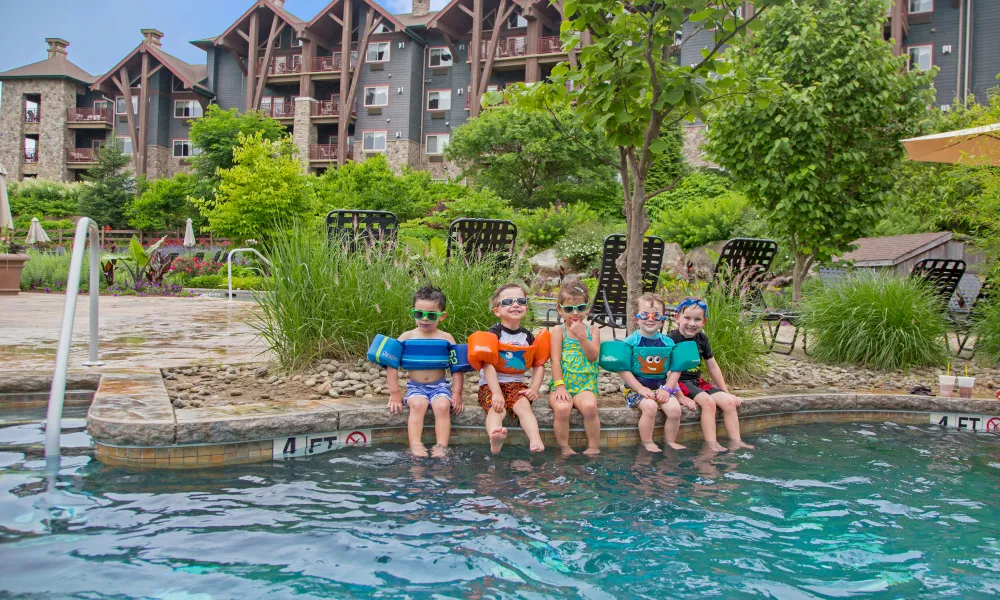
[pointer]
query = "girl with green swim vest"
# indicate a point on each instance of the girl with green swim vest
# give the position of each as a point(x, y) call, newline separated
point(575, 349)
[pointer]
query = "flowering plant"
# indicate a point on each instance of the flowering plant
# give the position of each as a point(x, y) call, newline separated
point(190, 266)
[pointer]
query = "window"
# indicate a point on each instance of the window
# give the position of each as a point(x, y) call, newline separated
point(921, 57)
point(437, 143)
point(439, 100)
point(187, 109)
point(296, 42)
point(920, 6)
point(515, 21)
point(378, 52)
point(374, 141)
point(32, 109)
point(102, 105)
point(183, 148)
point(120, 105)
point(440, 57)
point(125, 144)
point(678, 37)
point(377, 95)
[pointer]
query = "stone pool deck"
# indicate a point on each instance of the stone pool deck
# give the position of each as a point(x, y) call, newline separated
point(133, 422)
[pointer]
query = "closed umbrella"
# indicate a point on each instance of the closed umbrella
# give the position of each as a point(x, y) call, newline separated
point(189, 235)
point(6, 221)
point(36, 235)
point(976, 146)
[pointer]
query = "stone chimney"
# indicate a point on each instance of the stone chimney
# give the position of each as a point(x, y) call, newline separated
point(420, 8)
point(152, 36)
point(278, 3)
point(57, 46)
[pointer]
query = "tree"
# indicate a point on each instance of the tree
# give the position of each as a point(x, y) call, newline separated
point(110, 187)
point(628, 84)
point(526, 158)
point(164, 204)
point(820, 158)
point(372, 185)
point(217, 134)
point(264, 186)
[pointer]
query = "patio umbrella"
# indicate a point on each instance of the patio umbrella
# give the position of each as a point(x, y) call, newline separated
point(189, 235)
point(6, 221)
point(976, 146)
point(36, 235)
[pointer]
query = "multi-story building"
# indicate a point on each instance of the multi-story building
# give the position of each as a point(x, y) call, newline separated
point(415, 82)
point(418, 77)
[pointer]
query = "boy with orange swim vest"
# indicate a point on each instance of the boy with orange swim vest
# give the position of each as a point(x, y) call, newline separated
point(504, 354)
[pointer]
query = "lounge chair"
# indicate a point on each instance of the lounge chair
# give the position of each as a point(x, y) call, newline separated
point(610, 308)
point(361, 228)
point(963, 322)
point(477, 238)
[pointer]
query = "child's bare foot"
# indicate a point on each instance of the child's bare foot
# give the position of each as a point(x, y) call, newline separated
point(418, 450)
point(497, 436)
point(536, 446)
point(739, 444)
point(651, 446)
point(439, 451)
point(715, 447)
point(591, 451)
point(567, 451)
point(676, 446)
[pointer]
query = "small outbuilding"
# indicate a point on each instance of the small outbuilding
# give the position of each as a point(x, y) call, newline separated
point(898, 253)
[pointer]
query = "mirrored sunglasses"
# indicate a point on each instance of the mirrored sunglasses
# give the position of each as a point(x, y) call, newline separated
point(578, 308)
point(511, 301)
point(430, 315)
point(642, 316)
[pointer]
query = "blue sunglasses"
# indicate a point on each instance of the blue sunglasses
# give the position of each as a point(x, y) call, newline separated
point(693, 302)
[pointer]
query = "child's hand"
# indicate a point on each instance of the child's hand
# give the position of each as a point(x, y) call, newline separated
point(687, 402)
point(561, 395)
point(736, 399)
point(661, 396)
point(395, 402)
point(531, 394)
point(498, 403)
point(647, 393)
point(457, 405)
point(578, 329)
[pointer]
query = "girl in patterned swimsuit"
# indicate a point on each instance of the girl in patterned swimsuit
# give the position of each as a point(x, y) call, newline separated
point(575, 350)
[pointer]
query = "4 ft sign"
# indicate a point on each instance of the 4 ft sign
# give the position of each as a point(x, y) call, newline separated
point(967, 422)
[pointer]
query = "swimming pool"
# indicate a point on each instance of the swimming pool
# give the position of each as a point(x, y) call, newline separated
point(825, 511)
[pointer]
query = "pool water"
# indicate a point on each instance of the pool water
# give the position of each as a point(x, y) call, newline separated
point(818, 511)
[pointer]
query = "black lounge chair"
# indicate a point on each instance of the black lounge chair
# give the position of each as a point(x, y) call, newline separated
point(199, 255)
point(963, 322)
point(610, 307)
point(944, 276)
point(477, 238)
point(356, 229)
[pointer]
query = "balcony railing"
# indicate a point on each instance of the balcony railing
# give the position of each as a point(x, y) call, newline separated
point(329, 108)
point(30, 156)
point(331, 64)
point(91, 115)
point(81, 155)
point(282, 110)
point(282, 65)
point(518, 46)
point(327, 152)
point(549, 45)
point(32, 115)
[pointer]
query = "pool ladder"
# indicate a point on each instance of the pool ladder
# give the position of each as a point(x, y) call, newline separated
point(57, 393)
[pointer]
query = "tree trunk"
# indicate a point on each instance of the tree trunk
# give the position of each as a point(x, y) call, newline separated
point(799, 272)
point(634, 239)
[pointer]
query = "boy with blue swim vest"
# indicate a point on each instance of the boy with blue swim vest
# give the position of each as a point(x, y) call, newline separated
point(426, 353)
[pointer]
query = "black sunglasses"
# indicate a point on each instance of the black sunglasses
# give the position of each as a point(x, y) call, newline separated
point(511, 301)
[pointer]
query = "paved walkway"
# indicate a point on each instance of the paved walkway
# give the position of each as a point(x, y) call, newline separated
point(135, 332)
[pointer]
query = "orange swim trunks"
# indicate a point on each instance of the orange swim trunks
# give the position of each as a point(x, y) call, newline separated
point(512, 392)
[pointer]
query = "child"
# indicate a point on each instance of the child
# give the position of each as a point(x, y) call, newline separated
point(427, 387)
point(500, 392)
point(647, 393)
point(691, 316)
point(575, 350)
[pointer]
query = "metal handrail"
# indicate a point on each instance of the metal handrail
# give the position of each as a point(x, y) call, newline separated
point(229, 265)
point(57, 393)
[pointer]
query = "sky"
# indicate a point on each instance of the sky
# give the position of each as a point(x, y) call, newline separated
point(102, 32)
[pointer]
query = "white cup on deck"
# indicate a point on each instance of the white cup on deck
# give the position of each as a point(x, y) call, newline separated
point(947, 383)
point(965, 385)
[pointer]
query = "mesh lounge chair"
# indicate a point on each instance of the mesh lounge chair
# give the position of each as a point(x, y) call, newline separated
point(357, 229)
point(944, 276)
point(476, 238)
point(611, 299)
point(964, 321)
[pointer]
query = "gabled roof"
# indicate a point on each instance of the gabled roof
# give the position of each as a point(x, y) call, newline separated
point(296, 23)
point(398, 25)
point(409, 20)
point(205, 44)
point(190, 75)
point(892, 250)
point(56, 66)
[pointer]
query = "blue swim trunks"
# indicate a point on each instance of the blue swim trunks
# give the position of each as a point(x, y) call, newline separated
point(441, 387)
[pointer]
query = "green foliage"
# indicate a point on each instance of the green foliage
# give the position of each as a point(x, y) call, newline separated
point(211, 282)
point(543, 227)
point(23, 223)
point(986, 327)
point(704, 221)
point(372, 185)
point(324, 303)
point(43, 198)
point(264, 185)
point(217, 134)
point(52, 271)
point(880, 321)
point(735, 337)
point(533, 159)
point(109, 189)
point(481, 203)
point(165, 204)
point(666, 166)
point(698, 186)
point(582, 246)
point(819, 152)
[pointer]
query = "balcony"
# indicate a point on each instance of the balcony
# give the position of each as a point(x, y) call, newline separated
point(278, 110)
point(31, 156)
point(328, 111)
point(904, 7)
point(89, 118)
point(332, 64)
point(325, 153)
point(281, 65)
point(32, 115)
point(511, 47)
point(80, 157)
point(549, 45)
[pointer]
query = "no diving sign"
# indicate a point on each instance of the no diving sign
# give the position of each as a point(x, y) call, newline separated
point(317, 443)
point(967, 422)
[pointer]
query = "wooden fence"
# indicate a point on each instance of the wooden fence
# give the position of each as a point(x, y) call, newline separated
point(119, 237)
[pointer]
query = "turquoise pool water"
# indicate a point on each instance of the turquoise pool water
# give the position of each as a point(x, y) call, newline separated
point(824, 511)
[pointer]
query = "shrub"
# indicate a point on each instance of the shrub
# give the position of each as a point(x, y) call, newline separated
point(43, 198)
point(735, 336)
point(879, 321)
point(582, 246)
point(543, 227)
point(211, 282)
point(704, 221)
point(987, 329)
point(696, 187)
point(110, 187)
point(324, 303)
point(187, 267)
point(165, 204)
point(51, 271)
